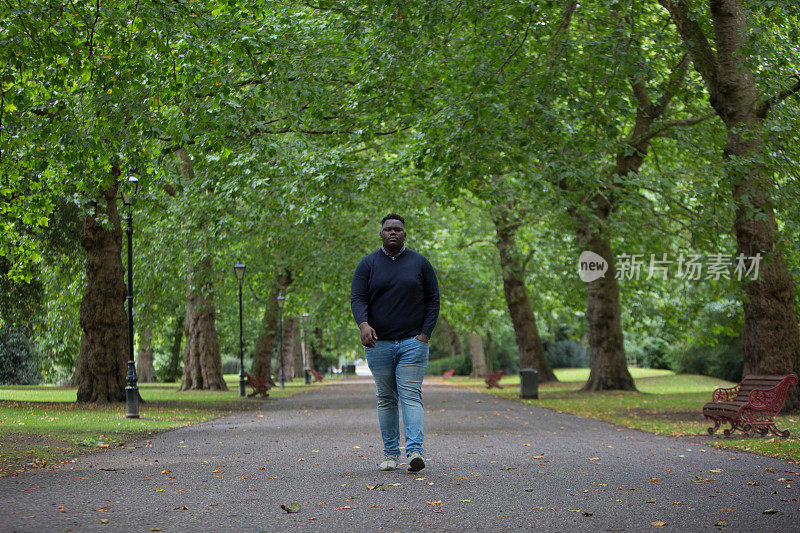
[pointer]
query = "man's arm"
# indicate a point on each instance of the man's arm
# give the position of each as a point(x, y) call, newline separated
point(359, 300)
point(431, 286)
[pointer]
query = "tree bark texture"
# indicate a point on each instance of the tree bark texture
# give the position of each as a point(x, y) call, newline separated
point(770, 332)
point(531, 354)
point(103, 358)
point(144, 359)
point(202, 362)
point(477, 354)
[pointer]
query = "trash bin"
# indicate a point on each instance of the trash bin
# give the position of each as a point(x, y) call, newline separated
point(528, 383)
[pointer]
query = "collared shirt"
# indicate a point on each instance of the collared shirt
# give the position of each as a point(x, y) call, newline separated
point(393, 257)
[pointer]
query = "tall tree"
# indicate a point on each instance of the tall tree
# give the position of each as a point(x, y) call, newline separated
point(770, 332)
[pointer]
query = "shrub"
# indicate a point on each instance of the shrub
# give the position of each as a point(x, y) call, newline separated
point(18, 359)
point(723, 360)
point(566, 353)
point(461, 363)
point(230, 364)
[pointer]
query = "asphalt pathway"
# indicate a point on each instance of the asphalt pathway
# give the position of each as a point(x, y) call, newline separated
point(492, 465)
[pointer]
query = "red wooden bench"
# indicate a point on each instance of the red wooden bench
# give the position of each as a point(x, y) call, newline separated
point(492, 380)
point(260, 385)
point(448, 373)
point(750, 406)
point(317, 375)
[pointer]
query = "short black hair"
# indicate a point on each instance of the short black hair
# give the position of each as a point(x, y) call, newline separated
point(393, 216)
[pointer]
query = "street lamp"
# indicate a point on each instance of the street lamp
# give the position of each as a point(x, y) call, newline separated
point(281, 299)
point(128, 195)
point(239, 269)
point(306, 354)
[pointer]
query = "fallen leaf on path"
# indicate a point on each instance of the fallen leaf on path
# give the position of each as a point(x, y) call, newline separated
point(373, 487)
point(293, 507)
point(217, 471)
point(769, 511)
point(178, 509)
point(435, 502)
point(754, 483)
point(716, 470)
point(658, 524)
point(104, 520)
point(166, 472)
point(594, 459)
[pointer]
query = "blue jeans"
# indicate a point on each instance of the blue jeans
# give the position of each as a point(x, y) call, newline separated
point(398, 368)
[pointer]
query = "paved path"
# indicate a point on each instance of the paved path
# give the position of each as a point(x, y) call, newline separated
point(494, 465)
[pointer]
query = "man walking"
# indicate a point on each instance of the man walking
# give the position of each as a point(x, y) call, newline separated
point(395, 301)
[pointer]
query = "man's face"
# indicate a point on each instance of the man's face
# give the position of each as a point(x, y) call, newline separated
point(393, 235)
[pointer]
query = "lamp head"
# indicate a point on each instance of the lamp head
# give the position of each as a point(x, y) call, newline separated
point(239, 269)
point(128, 192)
point(281, 299)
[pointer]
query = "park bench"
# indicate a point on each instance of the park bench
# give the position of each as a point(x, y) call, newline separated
point(317, 375)
point(492, 380)
point(448, 373)
point(750, 406)
point(260, 385)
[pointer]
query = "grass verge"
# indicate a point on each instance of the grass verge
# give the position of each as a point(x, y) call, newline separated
point(666, 404)
point(42, 425)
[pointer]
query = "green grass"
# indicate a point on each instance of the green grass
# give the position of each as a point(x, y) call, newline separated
point(41, 425)
point(665, 404)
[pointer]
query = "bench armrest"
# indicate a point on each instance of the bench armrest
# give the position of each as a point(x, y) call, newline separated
point(725, 395)
point(771, 399)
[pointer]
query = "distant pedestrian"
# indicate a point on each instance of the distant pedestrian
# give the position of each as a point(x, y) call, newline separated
point(395, 301)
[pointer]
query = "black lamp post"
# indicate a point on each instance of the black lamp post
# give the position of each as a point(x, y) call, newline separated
point(128, 196)
point(307, 351)
point(281, 378)
point(239, 269)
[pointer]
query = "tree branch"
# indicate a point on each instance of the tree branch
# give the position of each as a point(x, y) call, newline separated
point(668, 124)
point(765, 106)
point(703, 56)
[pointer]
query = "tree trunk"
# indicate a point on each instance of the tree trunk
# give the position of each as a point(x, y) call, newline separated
point(265, 343)
point(489, 353)
point(202, 362)
point(297, 353)
point(531, 354)
point(452, 337)
point(265, 346)
point(478, 356)
point(144, 359)
point(770, 333)
point(607, 362)
point(103, 359)
point(175, 355)
point(288, 347)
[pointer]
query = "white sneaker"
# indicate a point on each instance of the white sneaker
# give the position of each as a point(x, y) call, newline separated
point(415, 462)
point(389, 462)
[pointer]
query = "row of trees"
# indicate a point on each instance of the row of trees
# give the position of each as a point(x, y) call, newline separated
point(514, 135)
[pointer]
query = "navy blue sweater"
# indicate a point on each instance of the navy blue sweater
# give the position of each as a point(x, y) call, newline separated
point(399, 298)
